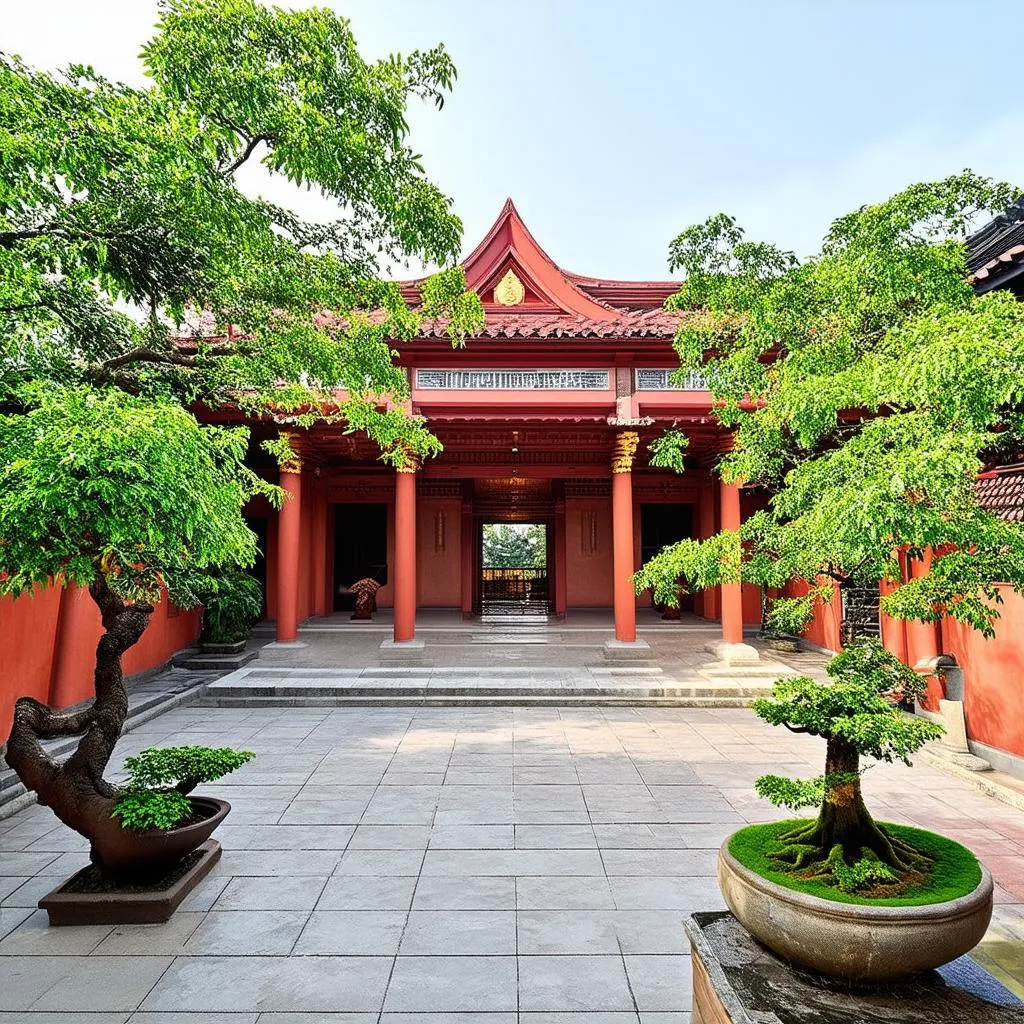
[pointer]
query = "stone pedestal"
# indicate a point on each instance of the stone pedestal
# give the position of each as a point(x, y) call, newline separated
point(733, 653)
point(953, 745)
point(737, 981)
point(403, 652)
point(627, 651)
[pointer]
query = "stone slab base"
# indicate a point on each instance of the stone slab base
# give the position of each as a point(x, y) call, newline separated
point(961, 758)
point(205, 661)
point(77, 908)
point(403, 652)
point(733, 654)
point(737, 981)
point(627, 650)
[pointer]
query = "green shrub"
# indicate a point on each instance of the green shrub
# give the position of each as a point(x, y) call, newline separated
point(159, 780)
point(231, 605)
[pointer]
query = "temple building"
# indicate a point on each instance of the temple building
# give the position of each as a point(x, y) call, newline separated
point(545, 418)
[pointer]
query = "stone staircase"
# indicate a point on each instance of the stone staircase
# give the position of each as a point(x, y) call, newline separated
point(521, 686)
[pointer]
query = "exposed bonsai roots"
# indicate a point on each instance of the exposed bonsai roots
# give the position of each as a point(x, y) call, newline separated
point(844, 839)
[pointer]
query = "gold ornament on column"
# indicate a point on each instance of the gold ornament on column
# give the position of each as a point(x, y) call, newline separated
point(411, 461)
point(626, 445)
point(293, 464)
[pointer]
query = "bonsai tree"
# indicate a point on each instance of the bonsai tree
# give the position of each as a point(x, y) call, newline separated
point(139, 283)
point(865, 388)
point(230, 607)
point(858, 715)
point(160, 779)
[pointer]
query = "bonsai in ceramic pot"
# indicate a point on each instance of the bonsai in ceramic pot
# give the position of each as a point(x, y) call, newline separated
point(231, 604)
point(841, 893)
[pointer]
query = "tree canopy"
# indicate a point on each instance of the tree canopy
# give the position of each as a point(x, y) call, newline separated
point(511, 545)
point(123, 231)
point(865, 387)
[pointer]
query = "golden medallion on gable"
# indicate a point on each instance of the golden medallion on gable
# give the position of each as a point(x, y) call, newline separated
point(509, 291)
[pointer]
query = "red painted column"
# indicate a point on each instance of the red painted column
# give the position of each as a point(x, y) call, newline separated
point(320, 556)
point(78, 630)
point(623, 566)
point(732, 593)
point(289, 521)
point(710, 597)
point(405, 554)
point(559, 555)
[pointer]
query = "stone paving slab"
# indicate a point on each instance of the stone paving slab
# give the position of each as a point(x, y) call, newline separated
point(456, 865)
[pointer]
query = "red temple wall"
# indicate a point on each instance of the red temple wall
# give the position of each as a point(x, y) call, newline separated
point(993, 670)
point(588, 552)
point(27, 667)
point(439, 552)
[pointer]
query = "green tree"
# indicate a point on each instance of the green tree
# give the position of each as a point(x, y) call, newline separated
point(139, 283)
point(865, 388)
point(508, 545)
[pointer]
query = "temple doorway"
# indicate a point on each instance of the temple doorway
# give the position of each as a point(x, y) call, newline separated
point(514, 569)
point(360, 549)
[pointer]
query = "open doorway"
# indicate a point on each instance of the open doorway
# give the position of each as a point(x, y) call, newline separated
point(360, 549)
point(514, 569)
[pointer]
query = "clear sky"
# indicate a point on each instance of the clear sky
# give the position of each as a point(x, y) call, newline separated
point(615, 125)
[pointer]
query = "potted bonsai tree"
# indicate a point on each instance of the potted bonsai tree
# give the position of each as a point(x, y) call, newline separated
point(865, 388)
point(141, 289)
point(231, 605)
point(840, 892)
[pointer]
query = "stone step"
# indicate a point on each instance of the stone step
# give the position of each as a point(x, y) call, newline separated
point(196, 660)
point(719, 700)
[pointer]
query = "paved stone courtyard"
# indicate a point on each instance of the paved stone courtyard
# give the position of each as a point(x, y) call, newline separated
point(477, 866)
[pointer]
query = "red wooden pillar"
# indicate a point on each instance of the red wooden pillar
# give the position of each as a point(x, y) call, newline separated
point(289, 522)
point(732, 593)
point(467, 555)
point(78, 629)
point(710, 602)
point(405, 553)
point(559, 555)
point(320, 554)
point(623, 566)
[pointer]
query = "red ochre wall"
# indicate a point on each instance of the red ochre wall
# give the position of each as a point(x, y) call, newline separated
point(588, 572)
point(823, 629)
point(993, 673)
point(439, 552)
point(31, 627)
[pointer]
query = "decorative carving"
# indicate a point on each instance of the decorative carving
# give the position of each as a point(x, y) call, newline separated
point(509, 291)
point(587, 489)
point(513, 380)
point(626, 445)
point(661, 380)
point(588, 533)
point(440, 533)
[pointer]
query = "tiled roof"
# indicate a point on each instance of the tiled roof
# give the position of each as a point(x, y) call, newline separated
point(997, 247)
point(648, 323)
point(1001, 492)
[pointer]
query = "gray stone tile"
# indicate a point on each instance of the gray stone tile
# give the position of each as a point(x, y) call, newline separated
point(651, 931)
point(114, 1017)
point(35, 937)
point(449, 1018)
point(370, 862)
point(555, 837)
point(665, 1018)
point(465, 892)
point(271, 983)
point(271, 892)
point(390, 837)
point(318, 1018)
point(665, 893)
point(569, 1017)
point(278, 862)
point(566, 932)
point(168, 938)
point(187, 1018)
point(661, 982)
point(94, 983)
point(450, 984)
point(562, 892)
point(23, 864)
point(472, 837)
point(11, 883)
point(351, 933)
point(460, 933)
point(294, 837)
point(317, 811)
point(246, 933)
point(11, 917)
point(206, 893)
point(367, 892)
point(659, 862)
point(512, 862)
point(573, 983)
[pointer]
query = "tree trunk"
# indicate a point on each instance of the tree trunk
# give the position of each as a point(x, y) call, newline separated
point(844, 821)
point(75, 790)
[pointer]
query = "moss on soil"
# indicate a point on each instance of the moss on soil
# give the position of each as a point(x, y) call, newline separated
point(955, 873)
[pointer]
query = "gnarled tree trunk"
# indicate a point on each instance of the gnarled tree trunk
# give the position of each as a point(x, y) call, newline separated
point(75, 789)
point(844, 821)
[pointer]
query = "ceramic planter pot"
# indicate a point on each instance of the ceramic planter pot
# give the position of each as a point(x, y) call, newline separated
point(124, 851)
point(852, 941)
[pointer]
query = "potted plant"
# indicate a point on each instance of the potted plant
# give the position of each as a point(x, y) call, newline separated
point(841, 893)
point(231, 604)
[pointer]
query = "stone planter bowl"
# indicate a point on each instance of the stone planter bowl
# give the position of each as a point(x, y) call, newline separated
point(852, 941)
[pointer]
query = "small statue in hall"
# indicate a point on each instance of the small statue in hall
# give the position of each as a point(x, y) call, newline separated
point(365, 591)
